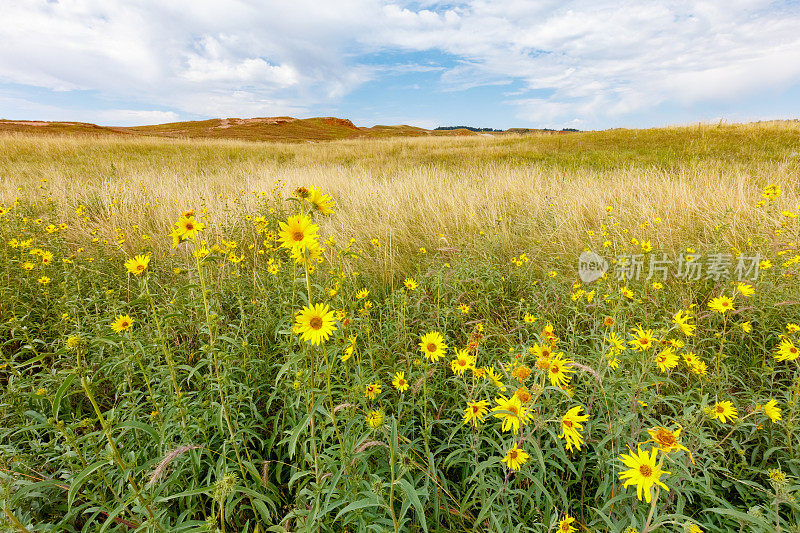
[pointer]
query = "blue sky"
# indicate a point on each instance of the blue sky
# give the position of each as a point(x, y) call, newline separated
point(490, 63)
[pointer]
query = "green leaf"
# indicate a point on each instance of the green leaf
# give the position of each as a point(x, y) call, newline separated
point(62, 390)
point(412, 495)
point(369, 501)
point(80, 478)
point(135, 424)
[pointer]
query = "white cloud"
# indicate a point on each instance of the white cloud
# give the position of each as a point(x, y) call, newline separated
point(14, 107)
point(609, 59)
point(588, 61)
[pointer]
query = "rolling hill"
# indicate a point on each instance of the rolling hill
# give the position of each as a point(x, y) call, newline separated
point(281, 129)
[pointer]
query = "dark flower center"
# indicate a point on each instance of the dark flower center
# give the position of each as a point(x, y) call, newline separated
point(665, 438)
point(315, 322)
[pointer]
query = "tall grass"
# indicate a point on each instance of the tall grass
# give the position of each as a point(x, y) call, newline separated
point(429, 191)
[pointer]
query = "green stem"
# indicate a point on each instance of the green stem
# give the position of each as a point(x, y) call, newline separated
point(117, 456)
point(167, 355)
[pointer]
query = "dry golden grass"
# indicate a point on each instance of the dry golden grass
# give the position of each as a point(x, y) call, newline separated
point(428, 191)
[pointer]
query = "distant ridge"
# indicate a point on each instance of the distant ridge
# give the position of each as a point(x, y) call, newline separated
point(278, 129)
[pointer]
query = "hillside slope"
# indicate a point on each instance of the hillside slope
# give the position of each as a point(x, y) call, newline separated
point(284, 129)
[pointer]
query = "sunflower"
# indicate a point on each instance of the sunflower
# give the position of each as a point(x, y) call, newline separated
point(642, 472)
point(410, 284)
point(721, 304)
point(565, 524)
point(617, 343)
point(201, 253)
point(375, 418)
point(432, 345)
point(400, 382)
point(772, 410)
point(529, 318)
point(559, 371)
point(475, 412)
point(490, 374)
point(138, 264)
point(73, 342)
point(523, 394)
point(681, 318)
point(571, 427)
point(363, 293)
point(787, 351)
point(297, 232)
point(463, 361)
point(350, 349)
point(644, 339)
point(315, 323)
point(307, 255)
point(549, 333)
point(188, 228)
point(667, 359)
point(667, 440)
point(515, 458)
point(745, 289)
point(627, 293)
point(699, 367)
point(724, 411)
point(512, 412)
point(542, 354)
point(464, 308)
point(522, 372)
point(322, 203)
point(122, 323)
point(372, 390)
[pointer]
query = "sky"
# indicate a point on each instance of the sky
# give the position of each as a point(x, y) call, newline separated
point(483, 63)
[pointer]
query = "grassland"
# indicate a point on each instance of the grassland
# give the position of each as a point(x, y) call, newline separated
point(412, 190)
point(187, 394)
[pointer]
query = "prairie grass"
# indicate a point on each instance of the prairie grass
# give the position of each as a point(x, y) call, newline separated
point(429, 191)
